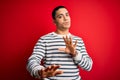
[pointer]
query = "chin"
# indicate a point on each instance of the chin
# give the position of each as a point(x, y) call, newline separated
point(67, 27)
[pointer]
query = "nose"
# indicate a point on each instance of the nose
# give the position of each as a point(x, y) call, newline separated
point(65, 18)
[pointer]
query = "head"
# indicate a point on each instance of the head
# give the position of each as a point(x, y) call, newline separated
point(61, 18)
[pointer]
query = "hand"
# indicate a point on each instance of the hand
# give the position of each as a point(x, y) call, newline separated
point(70, 47)
point(50, 71)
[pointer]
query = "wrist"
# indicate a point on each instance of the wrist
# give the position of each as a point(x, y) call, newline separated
point(39, 72)
point(75, 53)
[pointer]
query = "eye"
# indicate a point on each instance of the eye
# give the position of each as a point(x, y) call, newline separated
point(59, 16)
point(67, 14)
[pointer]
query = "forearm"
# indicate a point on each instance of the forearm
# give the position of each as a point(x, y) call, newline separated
point(34, 60)
point(33, 66)
point(84, 61)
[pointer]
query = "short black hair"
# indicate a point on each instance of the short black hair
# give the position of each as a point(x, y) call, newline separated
point(55, 9)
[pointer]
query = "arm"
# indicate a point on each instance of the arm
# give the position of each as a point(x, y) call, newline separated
point(34, 60)
point(82, 58)
point(79, 55)
point(34, 67)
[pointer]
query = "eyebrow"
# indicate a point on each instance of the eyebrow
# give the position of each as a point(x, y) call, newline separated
point(62, 14)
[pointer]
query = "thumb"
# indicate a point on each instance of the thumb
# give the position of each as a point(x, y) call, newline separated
point(61, 49)
point(58, 72)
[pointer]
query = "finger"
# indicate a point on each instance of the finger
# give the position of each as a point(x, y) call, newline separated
point(71, 41)
point(61, 49)
point(75, 43)
point(52, 70)
point(52, 67)
point(42, 73)
point(48, 68)
point(58, 72)
point(65, 40)
point(56, 67)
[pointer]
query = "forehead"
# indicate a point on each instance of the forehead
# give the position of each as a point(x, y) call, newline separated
point(61, 11)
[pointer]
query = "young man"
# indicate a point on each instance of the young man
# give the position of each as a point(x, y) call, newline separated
point(60, 51)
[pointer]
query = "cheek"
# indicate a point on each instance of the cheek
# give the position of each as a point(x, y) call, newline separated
point(70, 18)
point(60, 22)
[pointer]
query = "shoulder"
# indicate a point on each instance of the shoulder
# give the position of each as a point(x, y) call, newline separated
point(46, 36)
point(79, 39)
point(76, 37)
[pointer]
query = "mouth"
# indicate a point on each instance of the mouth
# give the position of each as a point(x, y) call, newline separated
point(66, 23)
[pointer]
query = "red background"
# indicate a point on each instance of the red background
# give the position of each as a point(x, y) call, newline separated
point(23, 22)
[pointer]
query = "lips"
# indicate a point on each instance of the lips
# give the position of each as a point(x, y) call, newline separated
point(66, 23)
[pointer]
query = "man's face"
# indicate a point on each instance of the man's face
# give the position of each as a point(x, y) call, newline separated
point(62, 19)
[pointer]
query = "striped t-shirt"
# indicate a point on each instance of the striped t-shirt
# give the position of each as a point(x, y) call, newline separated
point(46, 49)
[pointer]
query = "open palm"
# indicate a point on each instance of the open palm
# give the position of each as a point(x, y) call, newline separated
point(50, 71)
point(70, 47)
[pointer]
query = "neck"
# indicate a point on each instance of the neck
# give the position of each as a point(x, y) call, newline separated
point(62, 32)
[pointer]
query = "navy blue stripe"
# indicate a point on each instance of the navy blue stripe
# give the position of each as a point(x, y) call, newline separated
point(59, 60)
point(51, 45)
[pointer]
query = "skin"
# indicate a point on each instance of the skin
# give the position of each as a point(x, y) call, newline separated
point(62, 22)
